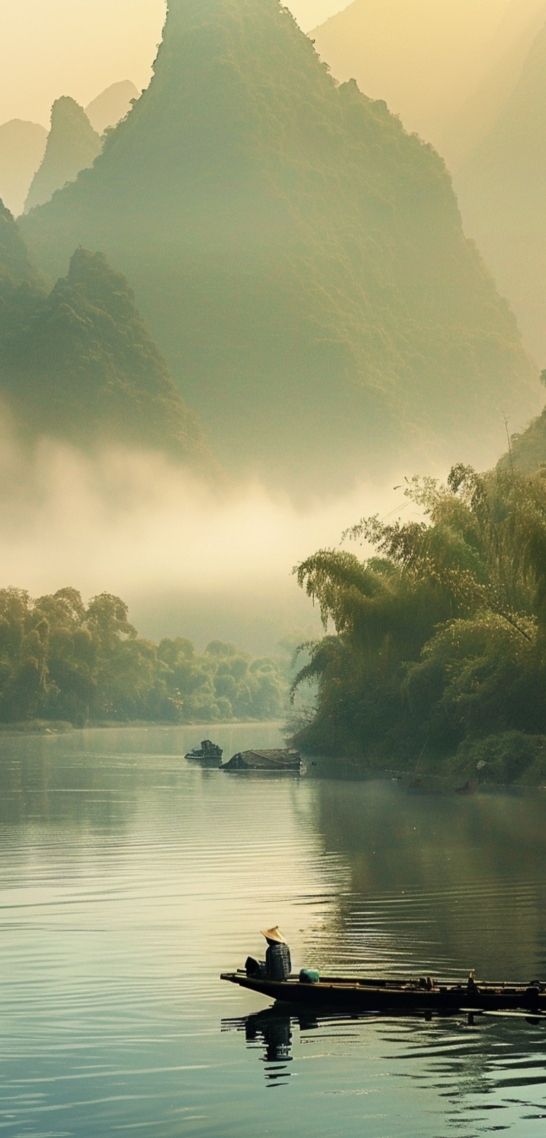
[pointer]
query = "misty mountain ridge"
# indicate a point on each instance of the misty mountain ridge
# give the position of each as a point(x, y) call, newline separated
point(78, 363)
point(506, 58)
point(502, 188)
point(424, 57)
point(22, 147)
point(111, 105)
point(23, 144)
point(72, 145)
point(298, 256)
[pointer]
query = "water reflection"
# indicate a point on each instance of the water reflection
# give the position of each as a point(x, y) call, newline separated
point(441, 884)
point(129, 879)
point(271, 1030)
point(488, 1076)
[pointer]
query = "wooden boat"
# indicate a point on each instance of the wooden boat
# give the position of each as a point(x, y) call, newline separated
point(409, 996)
point(276, 760)
point(207, 750)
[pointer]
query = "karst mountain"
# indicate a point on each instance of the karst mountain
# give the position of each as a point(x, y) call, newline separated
point(111, 105)
point(423, 57)
point(78, 364)
point(299, 258)
point(502, 190)
point(502, 66)
point(72, 145)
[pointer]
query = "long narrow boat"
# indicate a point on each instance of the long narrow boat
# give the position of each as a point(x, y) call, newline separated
point(354, 995)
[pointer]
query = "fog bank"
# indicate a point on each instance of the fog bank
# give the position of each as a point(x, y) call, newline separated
point(187, 560)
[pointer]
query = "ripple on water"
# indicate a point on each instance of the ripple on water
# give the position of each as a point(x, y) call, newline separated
point(129, 879)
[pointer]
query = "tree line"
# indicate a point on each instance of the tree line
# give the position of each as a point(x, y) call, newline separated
point(63, 660)
point(439, 651)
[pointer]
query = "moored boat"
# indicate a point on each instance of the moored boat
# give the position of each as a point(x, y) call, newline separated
point(272, 760)
point(207, 750)
point(413, 995)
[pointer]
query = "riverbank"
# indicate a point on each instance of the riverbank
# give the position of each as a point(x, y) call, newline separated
point(511, 758)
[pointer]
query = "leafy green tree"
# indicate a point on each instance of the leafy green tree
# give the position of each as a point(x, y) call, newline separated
point(441, 639)
point(61, 659)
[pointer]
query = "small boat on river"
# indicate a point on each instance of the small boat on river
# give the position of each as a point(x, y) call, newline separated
point(207, 750)
point(275, 760)
point(422, 995)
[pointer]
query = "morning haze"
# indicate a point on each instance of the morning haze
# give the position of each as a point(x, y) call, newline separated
point(272, 491)
point(284, 304)
point(77, 48)
point(317, 271)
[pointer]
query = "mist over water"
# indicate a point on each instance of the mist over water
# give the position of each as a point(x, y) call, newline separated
point(187, 558)
point(272, 321)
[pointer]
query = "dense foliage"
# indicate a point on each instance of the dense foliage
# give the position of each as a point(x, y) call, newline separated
point(62, 660)
point(440, 645)
point(78, 363)
point(299, 256)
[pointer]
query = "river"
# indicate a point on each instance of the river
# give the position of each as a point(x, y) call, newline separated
point(130, 878)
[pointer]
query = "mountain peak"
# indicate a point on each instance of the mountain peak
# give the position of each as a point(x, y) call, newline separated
point(298, 256)
point(72, 146)
point(111, 105)
point(78, 363)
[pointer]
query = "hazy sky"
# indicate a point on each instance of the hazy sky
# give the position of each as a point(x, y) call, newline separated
point(50, 48)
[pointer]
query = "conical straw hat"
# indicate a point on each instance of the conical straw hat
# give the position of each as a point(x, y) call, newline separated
point(273, 934)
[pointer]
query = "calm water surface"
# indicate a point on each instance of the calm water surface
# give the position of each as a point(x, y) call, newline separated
point(129, 878)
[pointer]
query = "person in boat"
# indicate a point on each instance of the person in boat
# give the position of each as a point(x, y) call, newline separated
point(277, 964)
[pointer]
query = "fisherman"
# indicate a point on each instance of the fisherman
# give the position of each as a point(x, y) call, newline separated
point(278, 965)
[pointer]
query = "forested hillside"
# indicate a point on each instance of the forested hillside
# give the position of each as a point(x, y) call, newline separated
point(439, 656)
point(72, 145)
point(78, 363)
point(63, 660)
point(299, 257)
point(502, 188)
